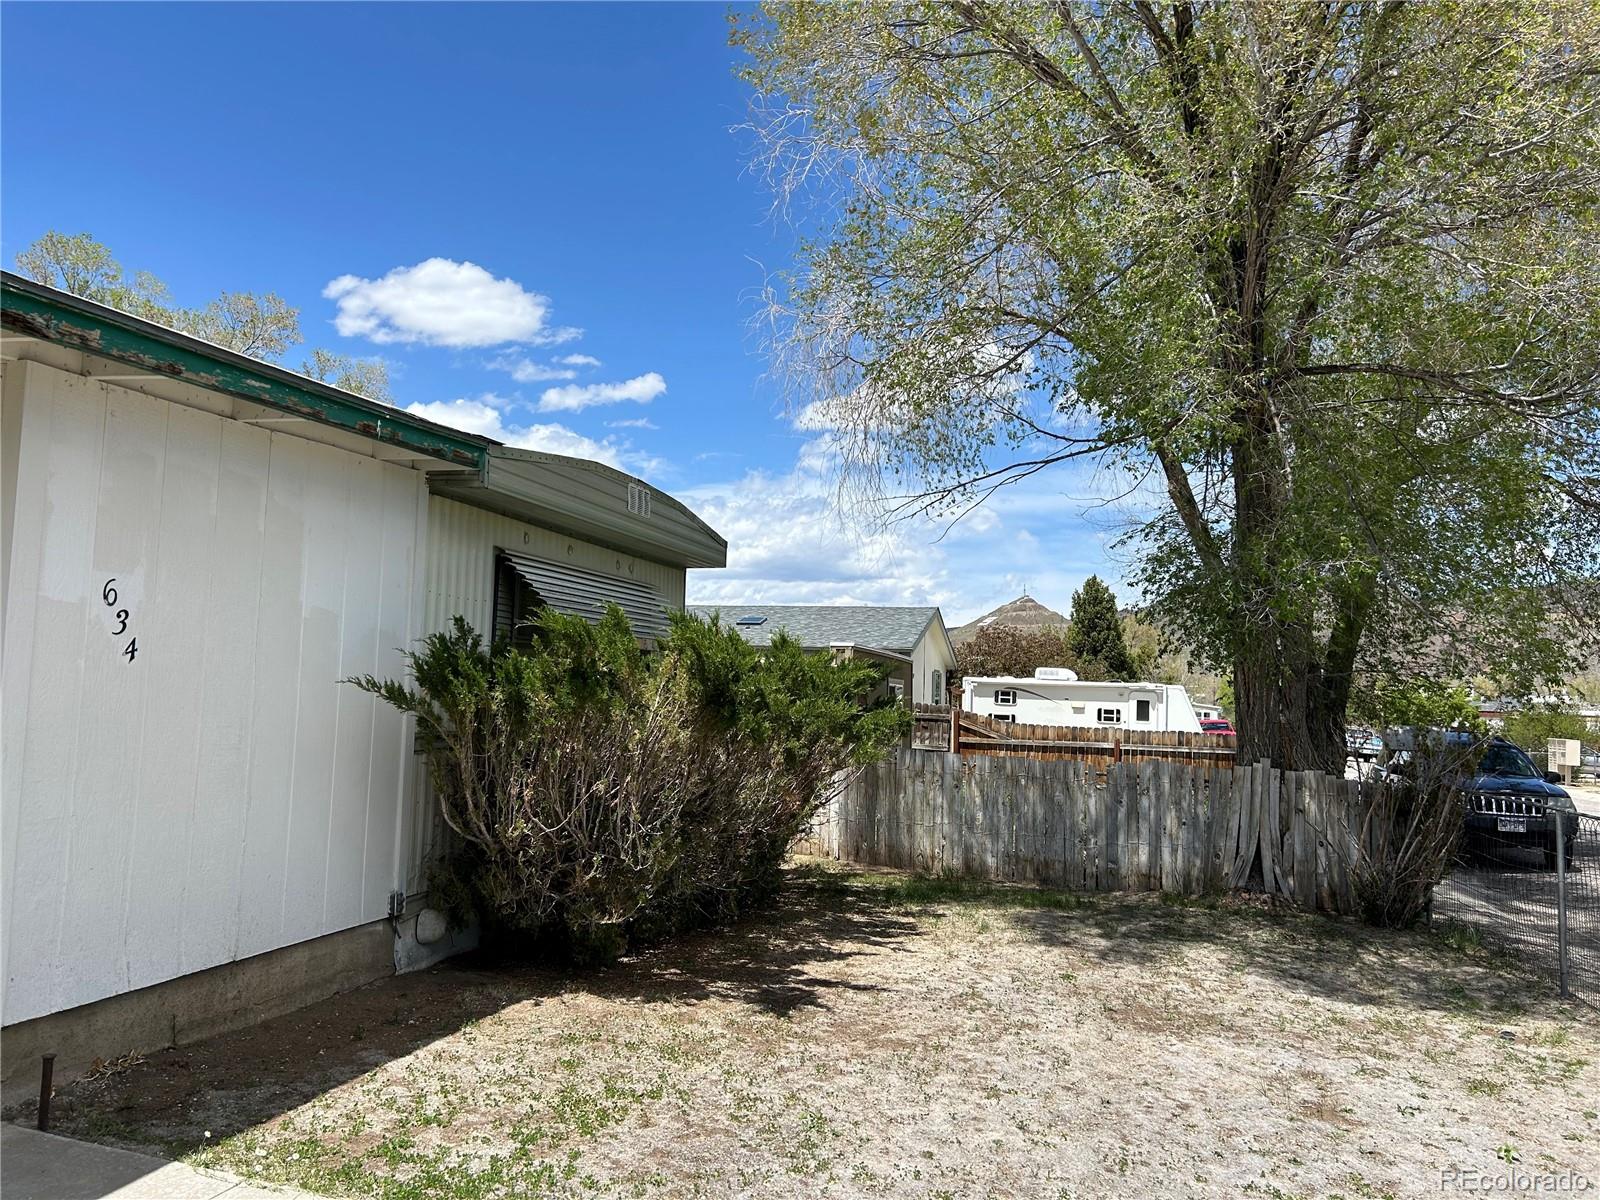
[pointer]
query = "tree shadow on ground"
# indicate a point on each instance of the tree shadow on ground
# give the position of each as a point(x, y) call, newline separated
point(1308, 953)
point(777, 961)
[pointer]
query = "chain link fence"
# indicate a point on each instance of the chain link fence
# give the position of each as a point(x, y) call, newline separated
point(1528, 877)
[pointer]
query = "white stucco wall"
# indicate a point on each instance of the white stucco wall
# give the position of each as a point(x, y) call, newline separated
point(220, 793)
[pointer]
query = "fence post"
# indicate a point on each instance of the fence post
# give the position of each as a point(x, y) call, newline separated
point(1561, 899)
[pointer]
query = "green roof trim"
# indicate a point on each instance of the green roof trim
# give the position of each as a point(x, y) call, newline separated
point(44, 312)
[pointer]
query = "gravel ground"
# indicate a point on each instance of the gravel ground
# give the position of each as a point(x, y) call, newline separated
point(882, 1035)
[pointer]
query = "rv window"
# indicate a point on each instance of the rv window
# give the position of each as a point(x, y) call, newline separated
point(1010, 718)
point(1005, 695)
point(1141, 710)
point(1109, 716)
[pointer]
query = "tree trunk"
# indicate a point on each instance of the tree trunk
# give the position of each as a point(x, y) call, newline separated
point(1285, 709)
point(1286, 717)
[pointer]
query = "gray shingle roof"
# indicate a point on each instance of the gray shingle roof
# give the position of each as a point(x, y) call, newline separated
point(818, 625)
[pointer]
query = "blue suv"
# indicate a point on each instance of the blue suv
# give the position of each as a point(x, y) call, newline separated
point(1509, 800)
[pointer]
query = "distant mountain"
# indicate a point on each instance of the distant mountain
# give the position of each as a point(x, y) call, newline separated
point(1022, 613)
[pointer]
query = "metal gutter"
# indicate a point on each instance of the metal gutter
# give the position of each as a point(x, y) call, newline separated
point(36, 310)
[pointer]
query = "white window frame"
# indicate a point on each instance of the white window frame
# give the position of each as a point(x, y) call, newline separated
point(1006, 696)
point(1115, 718)
point(1008, 718)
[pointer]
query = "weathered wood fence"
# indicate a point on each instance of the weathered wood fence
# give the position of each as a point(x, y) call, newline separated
point(937, 727)
point(1148, 825)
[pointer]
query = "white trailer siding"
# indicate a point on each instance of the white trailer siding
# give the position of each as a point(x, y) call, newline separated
point(460, 562)
point(220, 793)
point(1076, 702)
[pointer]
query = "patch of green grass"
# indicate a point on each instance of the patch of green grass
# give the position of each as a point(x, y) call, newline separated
point(98, 1127)
point(1482, 1085)
point(1359, 1187)
point(1271, 1190)
point(1460, 937)
point(406, 1172)
point(911, 891)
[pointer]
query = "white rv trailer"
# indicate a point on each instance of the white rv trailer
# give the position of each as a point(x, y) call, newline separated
point(1056, 696)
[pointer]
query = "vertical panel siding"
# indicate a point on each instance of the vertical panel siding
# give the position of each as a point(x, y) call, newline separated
point(227, 719)
point(461, 546)
point(47, 619)
point(222, 794)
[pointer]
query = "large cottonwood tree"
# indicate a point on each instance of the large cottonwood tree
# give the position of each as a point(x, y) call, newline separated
point(1326, 276)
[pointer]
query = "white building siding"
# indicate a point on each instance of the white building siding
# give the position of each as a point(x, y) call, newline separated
point(930, 655)
point(921, 666)
point(222, 793)
point(460, 573)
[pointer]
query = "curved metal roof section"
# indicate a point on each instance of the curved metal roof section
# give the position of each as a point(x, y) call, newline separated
point(589, 499)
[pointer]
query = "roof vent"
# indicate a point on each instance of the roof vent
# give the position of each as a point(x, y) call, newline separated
point(751, 620)
point(638, 500)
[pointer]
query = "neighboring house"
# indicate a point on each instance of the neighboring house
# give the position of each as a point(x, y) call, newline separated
point(1495, 711)
point(915, 635)
point(202, 825)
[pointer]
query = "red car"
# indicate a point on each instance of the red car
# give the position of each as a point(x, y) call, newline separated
point(1217, 725)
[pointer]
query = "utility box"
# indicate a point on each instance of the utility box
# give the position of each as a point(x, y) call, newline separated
point(1564, 755)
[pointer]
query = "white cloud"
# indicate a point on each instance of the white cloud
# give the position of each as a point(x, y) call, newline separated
point(440, 302)
point(579, 360)
point(480, 416)
point(486, 416)
point(576, 397)
point(633, 423)
point(793, 539)
point(525, 370)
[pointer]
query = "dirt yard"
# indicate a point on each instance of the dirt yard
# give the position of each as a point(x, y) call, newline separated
point(880, 1035)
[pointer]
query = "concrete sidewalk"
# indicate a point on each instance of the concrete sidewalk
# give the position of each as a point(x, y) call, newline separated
point(42, 1166)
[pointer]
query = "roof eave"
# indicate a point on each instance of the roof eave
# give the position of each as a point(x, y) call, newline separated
point(37, 310)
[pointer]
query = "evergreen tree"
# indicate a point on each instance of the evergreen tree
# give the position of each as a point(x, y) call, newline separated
point(1095, 637)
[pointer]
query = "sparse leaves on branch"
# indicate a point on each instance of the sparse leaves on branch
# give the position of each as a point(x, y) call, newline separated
point(1317, 285)
point(367, 377)
point(261, 325)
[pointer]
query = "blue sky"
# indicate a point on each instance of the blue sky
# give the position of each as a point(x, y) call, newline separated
point(538, 215)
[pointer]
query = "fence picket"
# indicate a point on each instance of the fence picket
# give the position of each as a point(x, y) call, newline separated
point(1169, 826)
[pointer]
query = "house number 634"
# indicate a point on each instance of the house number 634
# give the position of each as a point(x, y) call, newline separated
point(109, 595)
